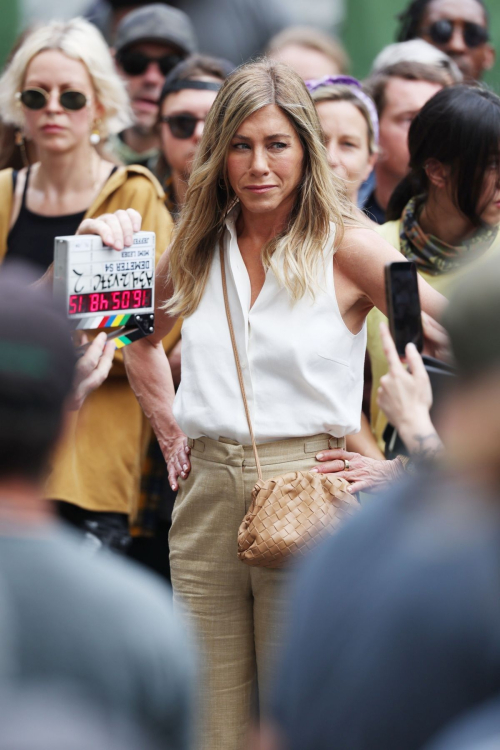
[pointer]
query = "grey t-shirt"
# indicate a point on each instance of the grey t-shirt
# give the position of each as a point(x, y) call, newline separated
point(100, 624)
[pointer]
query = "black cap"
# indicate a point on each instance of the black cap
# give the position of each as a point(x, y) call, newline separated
point(158, 23)
point(183, 75)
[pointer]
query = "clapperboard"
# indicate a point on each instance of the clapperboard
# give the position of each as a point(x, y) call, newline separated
point(104, 288)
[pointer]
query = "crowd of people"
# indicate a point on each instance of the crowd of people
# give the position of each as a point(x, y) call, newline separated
point(279, 188)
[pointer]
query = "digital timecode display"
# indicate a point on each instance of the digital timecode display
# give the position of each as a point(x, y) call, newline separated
point(128, 299)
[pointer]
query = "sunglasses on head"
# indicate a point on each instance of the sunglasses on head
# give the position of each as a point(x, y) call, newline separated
point(136, 63)
point(182, 126)
point(38, 99)
point(474, 35)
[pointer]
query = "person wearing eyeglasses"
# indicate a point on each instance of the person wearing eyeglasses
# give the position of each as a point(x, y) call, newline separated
point(149, 43)
point(457, 27)
point(188, 93)
point(63, 93)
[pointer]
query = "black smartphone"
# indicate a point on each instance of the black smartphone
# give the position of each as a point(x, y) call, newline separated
point(403, 305)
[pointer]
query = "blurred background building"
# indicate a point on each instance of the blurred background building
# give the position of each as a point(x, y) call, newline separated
point(363, 26)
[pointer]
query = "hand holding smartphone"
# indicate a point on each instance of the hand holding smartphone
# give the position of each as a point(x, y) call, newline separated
point(403, 305)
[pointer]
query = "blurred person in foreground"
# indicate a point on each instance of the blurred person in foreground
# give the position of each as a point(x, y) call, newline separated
point(445, 217)
point(96, 624)
point(312, 53)
point(477, 729)
point(457, 27)
point(61, 89)
point(50, 715)
point(399, 92)
point(149, 42)
point(349, 122)
point(395, 626)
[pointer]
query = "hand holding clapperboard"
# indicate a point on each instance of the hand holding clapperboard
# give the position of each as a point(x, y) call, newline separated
point(105, 288)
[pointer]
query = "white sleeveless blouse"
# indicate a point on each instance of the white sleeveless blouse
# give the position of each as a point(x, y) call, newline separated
point(303, 368)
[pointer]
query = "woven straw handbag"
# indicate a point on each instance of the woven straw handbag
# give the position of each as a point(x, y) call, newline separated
point(289, 514)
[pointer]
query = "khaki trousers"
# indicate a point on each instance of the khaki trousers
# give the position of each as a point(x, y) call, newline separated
point(238, 613)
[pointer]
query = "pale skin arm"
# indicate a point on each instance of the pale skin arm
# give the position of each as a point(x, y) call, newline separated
point(148, 368)
point(405, 396)
point(91, 370)
point(360, 285)
point(150, 376)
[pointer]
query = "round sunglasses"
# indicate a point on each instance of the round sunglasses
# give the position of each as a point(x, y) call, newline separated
point(35, 98)
point(182, 126)
point(136, 63)
point(474, 35)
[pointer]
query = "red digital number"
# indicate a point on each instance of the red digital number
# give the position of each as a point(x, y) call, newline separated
point(94, 302)
point(103, 303)
point(126, 300)
point(73, 308)
point(116, 300)
point(137, 295)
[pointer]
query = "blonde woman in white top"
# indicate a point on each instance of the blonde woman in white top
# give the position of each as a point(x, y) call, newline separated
point(302, 276)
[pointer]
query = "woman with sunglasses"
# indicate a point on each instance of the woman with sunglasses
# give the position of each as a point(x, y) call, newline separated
point(188, 93)
point(61, 90)
point(457, 27)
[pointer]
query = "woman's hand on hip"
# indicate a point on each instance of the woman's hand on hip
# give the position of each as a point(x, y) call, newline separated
point(176, 453)
point(116, 230)
point(363, 473)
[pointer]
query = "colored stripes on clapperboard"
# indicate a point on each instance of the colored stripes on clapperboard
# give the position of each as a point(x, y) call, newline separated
point(107, 321)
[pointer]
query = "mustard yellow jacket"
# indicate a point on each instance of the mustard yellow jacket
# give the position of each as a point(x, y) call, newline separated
point(98, 463)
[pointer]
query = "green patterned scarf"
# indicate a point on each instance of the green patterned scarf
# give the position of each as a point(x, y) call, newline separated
point(431, 255)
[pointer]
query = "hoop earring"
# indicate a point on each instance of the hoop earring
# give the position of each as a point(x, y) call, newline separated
point(20, 142)
point(95, 135)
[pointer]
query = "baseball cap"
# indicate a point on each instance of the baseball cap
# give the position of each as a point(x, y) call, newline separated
point(36, 352)
point(156, 23)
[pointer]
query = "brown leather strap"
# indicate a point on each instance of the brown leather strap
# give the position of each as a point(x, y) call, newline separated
point(237, 357)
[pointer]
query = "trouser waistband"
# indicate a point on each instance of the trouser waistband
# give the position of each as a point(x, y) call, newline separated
point(225, 450)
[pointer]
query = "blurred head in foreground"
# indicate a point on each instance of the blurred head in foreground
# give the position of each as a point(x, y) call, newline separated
point(36, 373)
point(470, 426)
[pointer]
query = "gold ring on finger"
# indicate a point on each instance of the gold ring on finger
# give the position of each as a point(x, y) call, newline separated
point(347, 465)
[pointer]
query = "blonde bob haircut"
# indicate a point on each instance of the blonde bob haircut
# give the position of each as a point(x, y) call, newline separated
point(79, 40)
point(294, 255)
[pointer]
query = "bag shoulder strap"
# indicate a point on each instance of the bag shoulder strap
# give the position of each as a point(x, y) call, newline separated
point(237, 358)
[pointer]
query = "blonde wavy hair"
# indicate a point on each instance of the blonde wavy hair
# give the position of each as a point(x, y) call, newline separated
point(295, 254)
point(79, 40)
